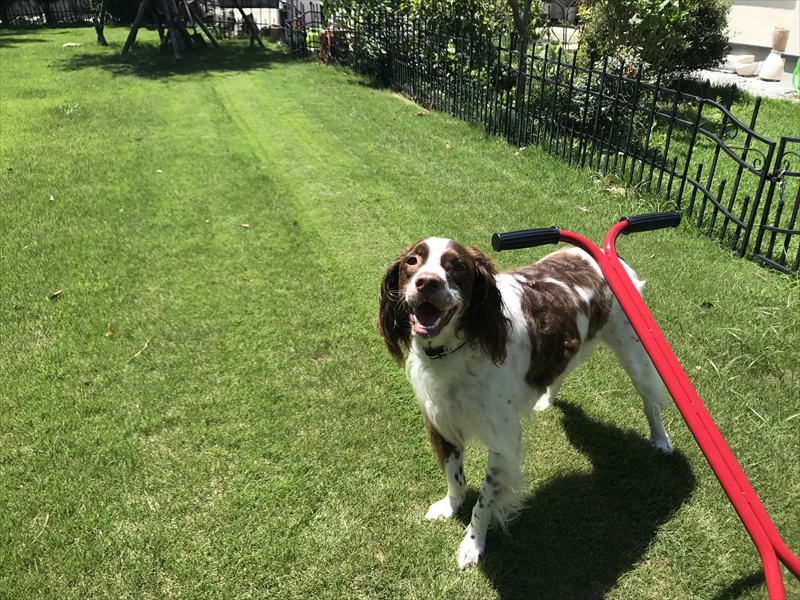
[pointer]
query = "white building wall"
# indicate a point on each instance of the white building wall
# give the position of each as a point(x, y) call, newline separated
point(751, 23)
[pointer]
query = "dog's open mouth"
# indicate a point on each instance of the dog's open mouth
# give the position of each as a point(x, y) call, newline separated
point(427, 320)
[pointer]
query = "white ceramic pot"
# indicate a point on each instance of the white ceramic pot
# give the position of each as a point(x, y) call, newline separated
point(773, 67)
point(731, 60)
point(746, 69)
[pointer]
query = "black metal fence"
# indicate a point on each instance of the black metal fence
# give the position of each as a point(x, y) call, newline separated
point(223, 16)
point(47, 12)
point(671, 140)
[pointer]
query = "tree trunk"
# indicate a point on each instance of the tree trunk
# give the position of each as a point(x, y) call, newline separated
point(99, 24)
point(4, 5)
point(521, 21)
point(522, 71)
point(49, 17)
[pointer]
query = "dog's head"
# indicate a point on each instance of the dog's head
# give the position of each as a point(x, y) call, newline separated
point(436, 288)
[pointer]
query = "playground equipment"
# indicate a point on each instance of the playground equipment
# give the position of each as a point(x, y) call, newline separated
point(173, 16)
point(770, 546)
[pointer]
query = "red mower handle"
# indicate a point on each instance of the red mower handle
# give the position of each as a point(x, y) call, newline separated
point(771, 548)
point(529, 238)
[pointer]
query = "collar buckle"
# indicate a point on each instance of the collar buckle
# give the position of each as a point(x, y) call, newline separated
point(440, 351)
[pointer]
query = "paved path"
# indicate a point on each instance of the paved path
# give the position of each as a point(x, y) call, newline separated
point(754, 85)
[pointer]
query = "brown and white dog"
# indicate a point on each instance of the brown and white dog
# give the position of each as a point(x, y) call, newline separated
point(482, 348)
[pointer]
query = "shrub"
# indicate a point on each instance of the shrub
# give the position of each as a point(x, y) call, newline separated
point(487, 16)
point(676, 35)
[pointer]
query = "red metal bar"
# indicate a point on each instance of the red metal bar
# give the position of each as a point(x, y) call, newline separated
point(745, 501)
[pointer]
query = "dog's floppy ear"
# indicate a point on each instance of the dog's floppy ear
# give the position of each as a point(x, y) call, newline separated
point(394, 324)
point(484, 321)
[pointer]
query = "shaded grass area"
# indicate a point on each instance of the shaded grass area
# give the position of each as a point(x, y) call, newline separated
point(242, 432)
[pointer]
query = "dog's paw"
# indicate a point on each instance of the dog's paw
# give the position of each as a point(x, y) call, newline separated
point(543, 403)
point(662, 444)
point(440, 510)
point(469, 552)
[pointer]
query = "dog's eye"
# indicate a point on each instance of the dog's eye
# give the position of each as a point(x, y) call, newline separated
point(459, 266)
point(411, 260)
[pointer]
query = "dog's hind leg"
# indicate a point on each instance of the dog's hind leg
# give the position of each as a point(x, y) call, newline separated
point(497, 501)
point(622, 339)
point(546, 400)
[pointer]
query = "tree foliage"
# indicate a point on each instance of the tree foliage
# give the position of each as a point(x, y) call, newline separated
point(490, 16)
point(676, 35)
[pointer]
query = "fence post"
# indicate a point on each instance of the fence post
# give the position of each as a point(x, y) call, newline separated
point(762, 180)
point(542, 80)
point(776, 179)
point(522, 64)
point(584, 143)
point(673, 115)
point(570, 123)
point(695, 127)
point(614, 121)
point(528, 103)
point(509, 102)
point(553, 116)
point(634, 103)
point(598, 109)
point(646, 148)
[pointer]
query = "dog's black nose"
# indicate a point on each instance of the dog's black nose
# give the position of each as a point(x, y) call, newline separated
point(428, 282)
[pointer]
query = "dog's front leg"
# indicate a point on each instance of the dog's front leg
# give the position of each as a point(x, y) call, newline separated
point(472, 546)
point(451, 459)
point(456, 482)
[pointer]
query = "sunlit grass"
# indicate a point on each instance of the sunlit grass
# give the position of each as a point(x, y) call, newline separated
point(205, 410)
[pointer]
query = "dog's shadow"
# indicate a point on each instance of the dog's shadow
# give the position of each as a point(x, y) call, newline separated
point(579, 533)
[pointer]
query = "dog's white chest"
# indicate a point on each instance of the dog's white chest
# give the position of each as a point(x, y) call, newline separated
point(462, 395)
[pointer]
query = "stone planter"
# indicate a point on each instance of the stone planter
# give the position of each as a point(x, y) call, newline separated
point(780, 38)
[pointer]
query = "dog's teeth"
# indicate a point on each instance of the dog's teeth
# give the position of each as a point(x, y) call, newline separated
point(439, 320)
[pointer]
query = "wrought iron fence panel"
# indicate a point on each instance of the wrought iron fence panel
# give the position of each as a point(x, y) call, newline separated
point(739, 170)
point(605, 116)
point(778, 240)
point(47, 12)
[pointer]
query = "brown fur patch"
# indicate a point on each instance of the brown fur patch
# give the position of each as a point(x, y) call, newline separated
point(442, 449)
point(484, 321)
point(393, 321)
point(551, 312)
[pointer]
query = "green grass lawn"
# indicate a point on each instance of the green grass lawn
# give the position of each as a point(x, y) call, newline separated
point(205, 410)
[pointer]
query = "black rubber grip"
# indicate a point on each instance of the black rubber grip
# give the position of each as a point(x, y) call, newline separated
point(652, 221)
point(527, 238)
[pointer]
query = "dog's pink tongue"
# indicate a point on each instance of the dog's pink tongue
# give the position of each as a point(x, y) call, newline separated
point(427, 314)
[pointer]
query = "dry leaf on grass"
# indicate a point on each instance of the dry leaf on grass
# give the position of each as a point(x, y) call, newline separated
point(55, 295)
